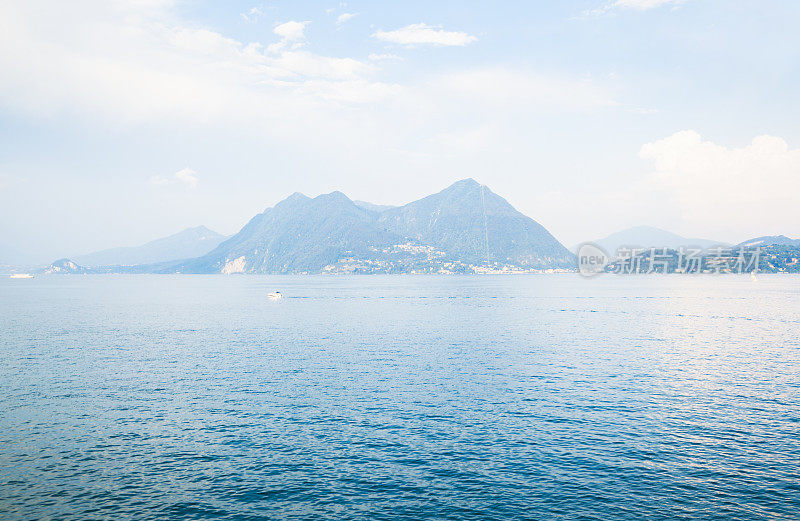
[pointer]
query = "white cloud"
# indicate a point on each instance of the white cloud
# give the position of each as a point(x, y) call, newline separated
point(643, 111)
point(696, 188)
point(643, 5)
point(205, 42)
point(153, 67)
point(157, 69)
point(344, 17)
point(315, 66)
point(185, 176)
point(424, 34)
point(291, 31)
point(164, 75)
point(509, 91)
point(252, 14)
point(352, 91)
point(278, 63)
point(159, 180)
point(381, 57)
point(292, 36)
point(636, 5)
point(752, 189)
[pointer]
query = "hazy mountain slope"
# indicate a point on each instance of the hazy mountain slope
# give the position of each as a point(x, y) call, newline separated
point(445, 232)
point(650, 237)
point(65, 266)
point(299, 234)
point(771, 240)
point(374, 207)
point(192, 242)
point(471, 223)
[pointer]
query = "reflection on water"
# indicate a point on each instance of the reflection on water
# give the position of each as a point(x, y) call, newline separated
point(400, 397)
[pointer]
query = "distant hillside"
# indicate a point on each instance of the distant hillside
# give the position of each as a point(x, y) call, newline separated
point(192, 242)
point(299, 234)
point(67, 267)
point(464, 228)
point(771, 240)
point(374, 207)
point(469, 222)
point(651, 237)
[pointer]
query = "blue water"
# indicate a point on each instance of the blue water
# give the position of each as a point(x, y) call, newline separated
point(400, 397)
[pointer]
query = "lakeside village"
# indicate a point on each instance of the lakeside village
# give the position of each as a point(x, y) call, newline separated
point(414, 258)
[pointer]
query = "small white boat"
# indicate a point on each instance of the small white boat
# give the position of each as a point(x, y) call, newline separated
point(21, 276)
point(275, 295)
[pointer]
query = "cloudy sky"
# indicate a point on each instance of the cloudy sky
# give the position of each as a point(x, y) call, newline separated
point(123, 121)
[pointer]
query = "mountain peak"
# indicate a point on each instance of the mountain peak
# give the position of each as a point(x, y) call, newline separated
point(468, 221)
point(295, 199)
point(65, 266)
point(336, 196)
point(466, 183)
point(467, 188)
point(644, 228)
point(644, 236)
point(463, 228)
point(201, 231)
point(297, 196)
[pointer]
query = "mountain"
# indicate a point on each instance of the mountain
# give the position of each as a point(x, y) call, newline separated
point(469, 222)
point(191, 242)
point(445, 232)
point(770, 240)
point(299, 234)
point(374, 207)
point(66, 266)
point(651, 237)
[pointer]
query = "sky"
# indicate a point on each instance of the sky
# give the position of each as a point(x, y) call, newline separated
point(125, 121)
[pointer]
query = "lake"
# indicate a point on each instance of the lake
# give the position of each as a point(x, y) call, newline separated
point(400, 397)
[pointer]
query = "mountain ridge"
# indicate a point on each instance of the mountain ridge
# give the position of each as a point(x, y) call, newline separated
point(770, 240)
point(190, 242)
point(645, 236)
point(469, 221)
point(465, 228)
point(298, 234)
